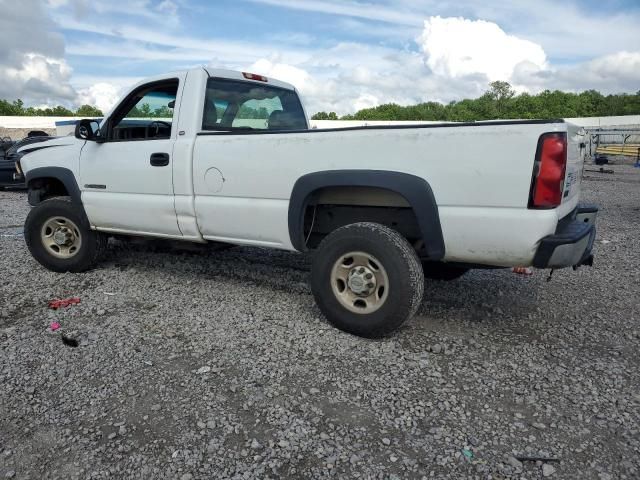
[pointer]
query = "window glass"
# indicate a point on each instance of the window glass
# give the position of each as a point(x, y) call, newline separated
point(238, 105)
point(147, 115)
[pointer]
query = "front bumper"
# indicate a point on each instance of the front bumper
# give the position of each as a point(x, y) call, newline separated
point(572, 243)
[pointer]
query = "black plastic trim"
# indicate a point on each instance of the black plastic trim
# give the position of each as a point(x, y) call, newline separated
point(566, 220)
point(63, 174)
point(384, 127)
point(34, 149)
point(415, 190)
point(572, 233)
point(587, 208)
point(581, 208)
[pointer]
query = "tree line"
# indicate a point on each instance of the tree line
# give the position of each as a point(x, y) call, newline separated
point(17, 108)
point(501, 102)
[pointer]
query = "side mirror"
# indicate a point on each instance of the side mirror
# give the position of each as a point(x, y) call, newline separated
point(172, 104)
point(88, 130)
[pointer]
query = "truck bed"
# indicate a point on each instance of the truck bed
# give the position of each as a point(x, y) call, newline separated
point(480, 174)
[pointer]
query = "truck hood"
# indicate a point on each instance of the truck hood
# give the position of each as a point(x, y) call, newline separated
point(53, 142)
point(55, 152)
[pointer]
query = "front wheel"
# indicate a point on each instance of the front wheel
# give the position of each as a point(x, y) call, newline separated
point(58, 238)
point(367, 279)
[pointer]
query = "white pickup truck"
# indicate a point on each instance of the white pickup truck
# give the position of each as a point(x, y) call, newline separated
point(215, 156)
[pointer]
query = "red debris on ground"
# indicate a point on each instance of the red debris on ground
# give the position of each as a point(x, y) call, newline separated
point(523, 270)
point(57, 303)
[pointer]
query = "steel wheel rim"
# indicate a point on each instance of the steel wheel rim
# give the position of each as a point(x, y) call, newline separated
point(359, 282)
point(61, 237)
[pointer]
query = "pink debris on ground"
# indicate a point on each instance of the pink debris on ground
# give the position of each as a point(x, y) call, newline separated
point(523, 270)
point(54, 326)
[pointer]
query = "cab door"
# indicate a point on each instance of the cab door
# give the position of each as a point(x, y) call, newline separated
point(126, 181)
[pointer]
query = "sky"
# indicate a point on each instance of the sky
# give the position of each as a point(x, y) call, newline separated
point(342, 55)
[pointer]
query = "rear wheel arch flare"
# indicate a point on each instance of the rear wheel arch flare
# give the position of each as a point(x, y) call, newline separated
point(415, 190)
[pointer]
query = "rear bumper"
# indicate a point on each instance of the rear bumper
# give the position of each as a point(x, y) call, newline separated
point(572, 243)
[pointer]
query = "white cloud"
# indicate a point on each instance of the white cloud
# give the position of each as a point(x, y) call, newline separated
point(457, 47)
point(287, 73)
point(365, 10)
point(167, 6)
point(452, 58)
point(103, 95)
point(37, 78)
point(563, 29)
point(32, 64)
point(366, 100)
point(619, 72)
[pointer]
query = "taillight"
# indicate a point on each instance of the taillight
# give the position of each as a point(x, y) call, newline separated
point(253, 76)
point(549, 170)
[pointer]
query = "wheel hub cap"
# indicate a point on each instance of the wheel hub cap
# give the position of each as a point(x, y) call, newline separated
point(63, 236)
point(361, 281)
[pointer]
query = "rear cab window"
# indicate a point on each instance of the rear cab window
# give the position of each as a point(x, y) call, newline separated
point(236, 105)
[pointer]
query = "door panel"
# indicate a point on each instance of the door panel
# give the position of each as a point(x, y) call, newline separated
point(123, 191)
point(127, 181)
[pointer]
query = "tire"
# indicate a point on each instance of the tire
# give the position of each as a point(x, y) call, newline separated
point(57, 219)
point(347, 288)
point(442, 271)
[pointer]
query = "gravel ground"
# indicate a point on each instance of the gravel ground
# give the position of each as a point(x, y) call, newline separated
point(219, 365)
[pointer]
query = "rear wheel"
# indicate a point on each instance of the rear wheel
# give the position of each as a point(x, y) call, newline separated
point(367, 279)
point(442, 271)
point(57, 236)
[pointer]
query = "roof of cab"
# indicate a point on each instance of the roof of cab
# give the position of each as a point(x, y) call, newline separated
point(238, 75)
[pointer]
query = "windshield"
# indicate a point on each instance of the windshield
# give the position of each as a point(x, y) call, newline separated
point(237, 105)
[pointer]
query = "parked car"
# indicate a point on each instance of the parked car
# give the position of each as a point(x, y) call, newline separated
point(230, 158)
point(9, 176)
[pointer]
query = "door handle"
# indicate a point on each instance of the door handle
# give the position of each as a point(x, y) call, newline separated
point(159, 159)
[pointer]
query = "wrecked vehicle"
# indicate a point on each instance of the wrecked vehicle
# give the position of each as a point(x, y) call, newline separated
point(9, 176)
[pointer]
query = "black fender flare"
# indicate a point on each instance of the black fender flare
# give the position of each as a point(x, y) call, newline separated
point(65, 176)
point(415, 190)
point(62, 174)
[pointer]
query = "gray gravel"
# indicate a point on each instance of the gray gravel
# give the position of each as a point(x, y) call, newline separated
point(218, 365)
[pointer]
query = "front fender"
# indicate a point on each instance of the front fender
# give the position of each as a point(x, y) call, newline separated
point(64, 175)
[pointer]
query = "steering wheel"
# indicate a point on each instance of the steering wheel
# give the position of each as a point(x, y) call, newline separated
point(157, 124)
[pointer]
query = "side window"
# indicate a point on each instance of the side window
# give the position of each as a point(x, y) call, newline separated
point(147, 114)
point(242, 105)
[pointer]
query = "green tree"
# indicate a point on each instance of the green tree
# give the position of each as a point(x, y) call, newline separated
point(501, 101)
point(325, 116)
point(501, 93)
point(11, 109)
point(88, 111)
